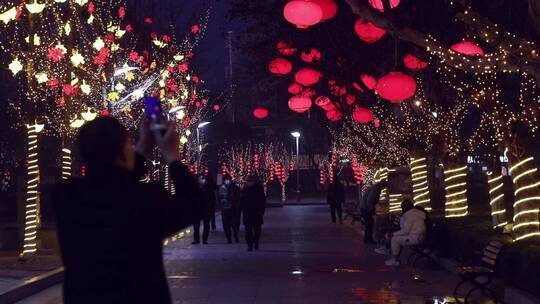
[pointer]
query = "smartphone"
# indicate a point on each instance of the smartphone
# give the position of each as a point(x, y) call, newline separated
point(154, 113)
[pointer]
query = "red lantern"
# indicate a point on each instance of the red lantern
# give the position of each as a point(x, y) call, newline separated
point(302, 13)
point(376, 123)
point(396, 87)
point(368, 32)
point(357, 87)
point(295, 88)
point(378, 4)
point(309, 92)
point(468, 48)
point(286, 48)
point(334, 115)
point(299, 103)
point(307, 76)
point(325, 103)
point(329, 8)
point(362, 115)
point(338, 90)
point(260, 113)
point(280, 66)
point(414, 63)
point(369, 81)
point(350, 99)
point(312, 55)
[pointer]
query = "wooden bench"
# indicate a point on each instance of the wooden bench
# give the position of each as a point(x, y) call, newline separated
point(485, 269)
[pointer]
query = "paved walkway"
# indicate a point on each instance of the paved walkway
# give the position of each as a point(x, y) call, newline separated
point(303, 259)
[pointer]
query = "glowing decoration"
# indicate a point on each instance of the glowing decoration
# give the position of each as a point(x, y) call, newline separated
point(114, 96)
point(396, 87)
point(307, 76)
point(496, 195)
point(85, 88)
point(368, 32)
point(300, 104)
point(527, 199)
point(419, 177)
point(334, 115)
point(455, 181)
point(379, 176)
point(70, 90)
point(378, 4)
point(15, 66)
point(280, 66)
point(329, 8)
point(98, 44)
point(362, 115)
point(414, 63)
point(81, 2)
point(468, 48)
point(35, 8)
point(89, 115)
point(325, 103)
point(295, 88)
point(309, 92)
point(311, 55)
point(76, 123)
point(302, 13)
point(369, 81)
point(260, 113)
point(77, 59)
point(286, 48)
point(9, 15)
point(41, 77)
point(66, 163)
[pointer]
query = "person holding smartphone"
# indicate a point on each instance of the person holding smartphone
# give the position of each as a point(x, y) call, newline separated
point(110, 226)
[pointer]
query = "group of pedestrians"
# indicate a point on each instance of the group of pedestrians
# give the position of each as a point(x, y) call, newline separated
point(246, 205)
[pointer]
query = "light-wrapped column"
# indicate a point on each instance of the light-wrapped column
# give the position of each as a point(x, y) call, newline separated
point(31, 218)
point(66, 163)
point(527, 199)
point(496, 197)
point(419, 177)
point(382, 175)
point(455, 181)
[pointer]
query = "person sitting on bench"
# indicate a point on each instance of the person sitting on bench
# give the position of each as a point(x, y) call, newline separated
point(412, 232)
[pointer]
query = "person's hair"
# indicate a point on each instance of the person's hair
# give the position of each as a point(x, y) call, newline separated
point(101, 142)
point(407, 204)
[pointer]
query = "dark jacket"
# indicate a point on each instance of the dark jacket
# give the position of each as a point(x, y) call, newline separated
point(111, 230)
point(226, 196)
point(336, 194)
point(374, 194)
point(253, 205)
point(209, 191)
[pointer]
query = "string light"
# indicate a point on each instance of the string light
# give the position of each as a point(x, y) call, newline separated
point(527, 199)
point(456, 192)
point(420, 183)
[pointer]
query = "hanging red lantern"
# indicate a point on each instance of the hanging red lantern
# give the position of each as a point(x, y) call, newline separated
point(307, 76)
point(309, 92)
point(302, 13)
point(260, 113)
point(323, 101)
point(376, 123)
point(368, 32)
point(286, 48)
point(414, 63)
point(357, 87)
point(378, 4)
point(468, 48)
point(300, 104)
point(295, 88)
point(338, 90)
point(334, 115)
point(280, 66)
point(311, 55)
point(369, 81)
point(329, 8)
point(396, 87)
point(362, 115)
point(350, 99)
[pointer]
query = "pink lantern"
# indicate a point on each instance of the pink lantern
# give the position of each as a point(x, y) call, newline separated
point(357, 87)
point(302, 13)
point(338, 90)
point(309, 92)
point(286, 48)
point(295, 88)
point(260, 113)
point(334, 115)
point(307, 76)
point(468, 48)
point(325, 103)
point(368, 32)
point(329, 8)
point(376, 123)
point(414, 63)
point(280, 66)
point(369, 81)
point(312, 55)
point(362, 115)
point(378, 4)
point(350, 99)
point(396, 87)
point(299, 103)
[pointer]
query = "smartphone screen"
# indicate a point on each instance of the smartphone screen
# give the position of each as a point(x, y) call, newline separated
point(154, 112)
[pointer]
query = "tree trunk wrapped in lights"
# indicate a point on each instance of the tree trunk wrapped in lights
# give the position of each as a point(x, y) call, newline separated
point(455, 179)
point(527, 199)
point(497, 199)
point(382, 175)
point(419, 177)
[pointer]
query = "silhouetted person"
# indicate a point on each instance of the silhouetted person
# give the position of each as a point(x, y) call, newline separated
point(210, 201)
point(227, 199)
point(370, 199)
point(236, 220)
point(336, 198)
point(110, 226)
point(253, 205)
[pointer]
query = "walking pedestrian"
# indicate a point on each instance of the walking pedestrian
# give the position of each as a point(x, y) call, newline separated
point(253, 205)
point(336, 198)
point(236, 220)
point(210, 201)
point(226, 200)
point(370, 199)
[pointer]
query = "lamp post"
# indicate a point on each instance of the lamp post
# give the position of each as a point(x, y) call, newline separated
point(296, 135)
point(199, 147)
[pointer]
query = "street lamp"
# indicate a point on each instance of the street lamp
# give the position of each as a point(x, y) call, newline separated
point(200, 126)
point(296, 135)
